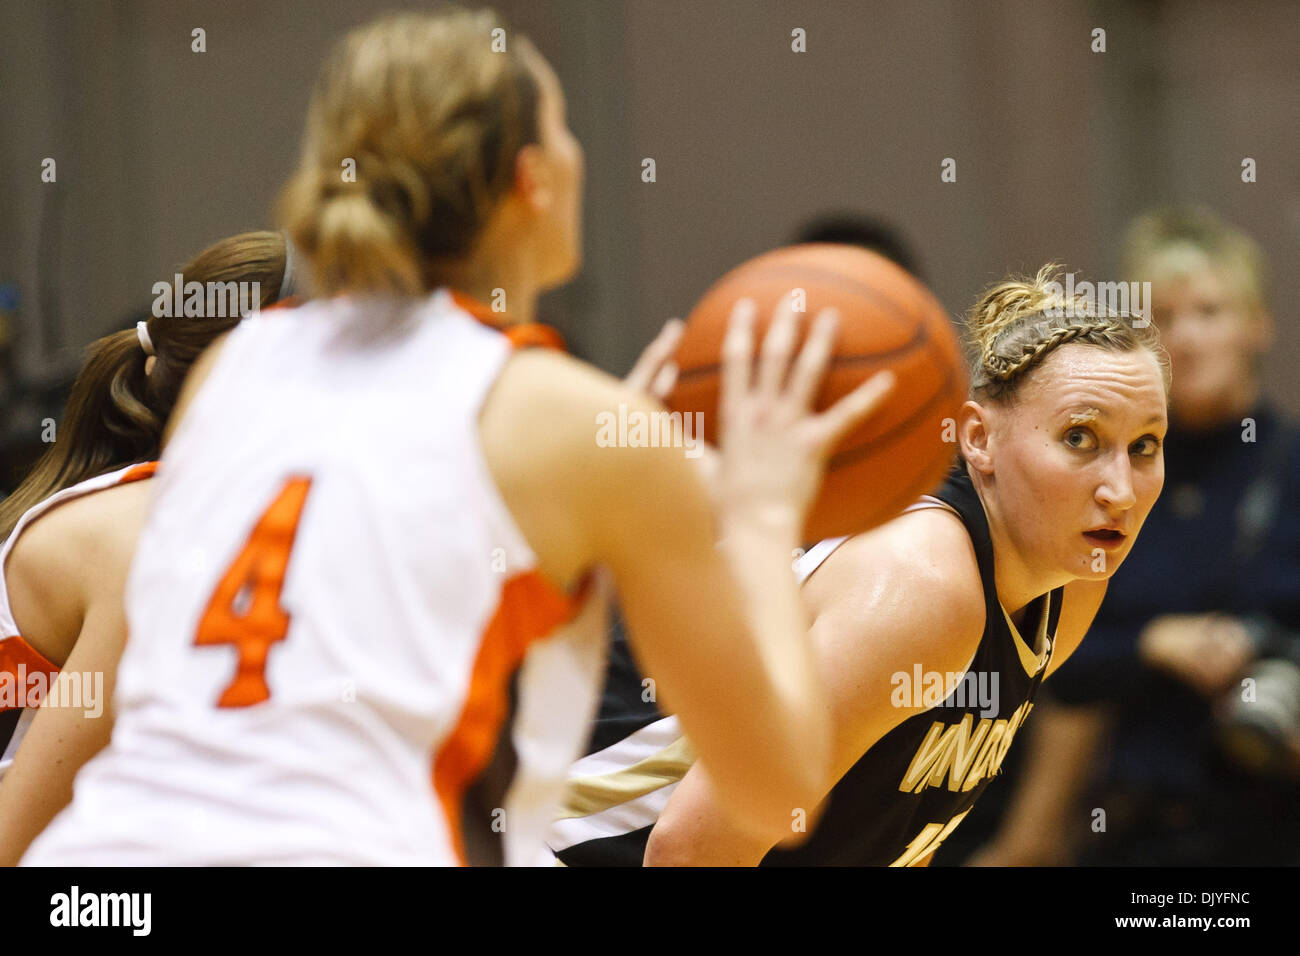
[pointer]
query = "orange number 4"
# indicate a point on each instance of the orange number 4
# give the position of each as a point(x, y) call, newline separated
point(245, 608)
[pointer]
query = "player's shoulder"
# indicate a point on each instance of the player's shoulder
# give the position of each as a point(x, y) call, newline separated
point(69, 556)
point(94, 524)
point(546, 408)
point(919, 570)
point(562, 470)
point(553, 380)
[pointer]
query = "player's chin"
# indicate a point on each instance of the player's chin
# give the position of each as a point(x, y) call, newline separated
point(1098, 565)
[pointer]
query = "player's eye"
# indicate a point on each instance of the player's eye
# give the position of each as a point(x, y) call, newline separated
point(1147, 446)
point(1081, 439)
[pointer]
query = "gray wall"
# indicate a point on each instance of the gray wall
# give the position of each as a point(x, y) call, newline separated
point(161, 150)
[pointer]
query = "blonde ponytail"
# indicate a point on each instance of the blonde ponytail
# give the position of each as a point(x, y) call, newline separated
point(411, 140)
point(355, 245)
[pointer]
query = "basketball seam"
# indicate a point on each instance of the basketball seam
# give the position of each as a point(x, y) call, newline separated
point(810, 270)
point(850, 455)
point(920, 340)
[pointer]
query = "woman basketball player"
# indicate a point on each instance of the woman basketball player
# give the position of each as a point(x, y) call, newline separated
point(71, 526)
point(933, 631)
point(357, 627)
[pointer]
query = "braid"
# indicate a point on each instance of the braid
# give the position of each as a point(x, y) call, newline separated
point(1003, 369)
point(1017, 323)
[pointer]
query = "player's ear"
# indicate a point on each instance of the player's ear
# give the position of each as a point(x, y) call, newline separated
point(973, 434)
point(532, 184)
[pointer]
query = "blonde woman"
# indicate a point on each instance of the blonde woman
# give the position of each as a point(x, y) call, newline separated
point(934, 631)
point(362, 613)
point(1149, 720)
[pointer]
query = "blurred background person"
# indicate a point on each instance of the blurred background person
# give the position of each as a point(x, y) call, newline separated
point(858, 229)
point(1175, 734)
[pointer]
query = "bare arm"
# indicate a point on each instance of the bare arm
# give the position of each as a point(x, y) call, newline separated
point(906, 593)
point(645, 514)
point(65, 577)
point(60, 741)
point(717, 624)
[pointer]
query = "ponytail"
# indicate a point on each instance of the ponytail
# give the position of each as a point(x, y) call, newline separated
point(116, 411)
point(412, 135)
point(105, 425)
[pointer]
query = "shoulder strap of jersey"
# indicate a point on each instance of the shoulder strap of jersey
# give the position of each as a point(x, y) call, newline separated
point(959, 492)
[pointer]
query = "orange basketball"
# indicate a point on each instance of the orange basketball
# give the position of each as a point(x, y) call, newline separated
point(887, 320)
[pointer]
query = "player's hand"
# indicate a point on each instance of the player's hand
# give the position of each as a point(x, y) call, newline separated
point(1207, 651)
point(655, 373)
point(773, 446)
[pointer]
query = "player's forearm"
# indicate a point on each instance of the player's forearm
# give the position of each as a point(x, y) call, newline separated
point(39, 784)
point(759, 554)
point(693, 830)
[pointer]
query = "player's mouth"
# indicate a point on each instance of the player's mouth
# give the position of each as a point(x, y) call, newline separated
point(1110, 539)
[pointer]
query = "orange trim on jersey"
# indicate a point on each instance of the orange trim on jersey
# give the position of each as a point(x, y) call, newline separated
point(139, 472)
point(290, 303)
point(524, 335)
point(530, 608)
point(14, 651)
point(535, 335)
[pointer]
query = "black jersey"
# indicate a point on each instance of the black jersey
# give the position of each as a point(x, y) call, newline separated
point(896, 805)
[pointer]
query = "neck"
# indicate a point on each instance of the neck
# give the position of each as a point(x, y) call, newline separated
point(1017, 582)
point(489, 274)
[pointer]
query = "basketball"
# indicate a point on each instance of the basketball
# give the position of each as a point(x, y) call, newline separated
point(888, 320)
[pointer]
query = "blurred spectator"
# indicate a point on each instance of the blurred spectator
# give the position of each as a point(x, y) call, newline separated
point(1174, 738)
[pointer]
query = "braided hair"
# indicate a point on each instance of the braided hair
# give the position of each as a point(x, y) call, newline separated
point(1017, 323)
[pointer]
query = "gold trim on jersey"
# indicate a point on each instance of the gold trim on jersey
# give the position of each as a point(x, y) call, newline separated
point(1033, 661)
point(585, 796)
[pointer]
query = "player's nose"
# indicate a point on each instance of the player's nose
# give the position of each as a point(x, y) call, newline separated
point(1116, 488)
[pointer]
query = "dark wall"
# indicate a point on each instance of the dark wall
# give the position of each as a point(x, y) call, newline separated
point(161, 150)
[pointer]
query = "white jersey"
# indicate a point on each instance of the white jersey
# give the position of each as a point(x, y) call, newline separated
point(341, 649)
point(25, 674)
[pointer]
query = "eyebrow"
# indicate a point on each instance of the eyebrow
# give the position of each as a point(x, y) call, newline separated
point(1088, 414)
